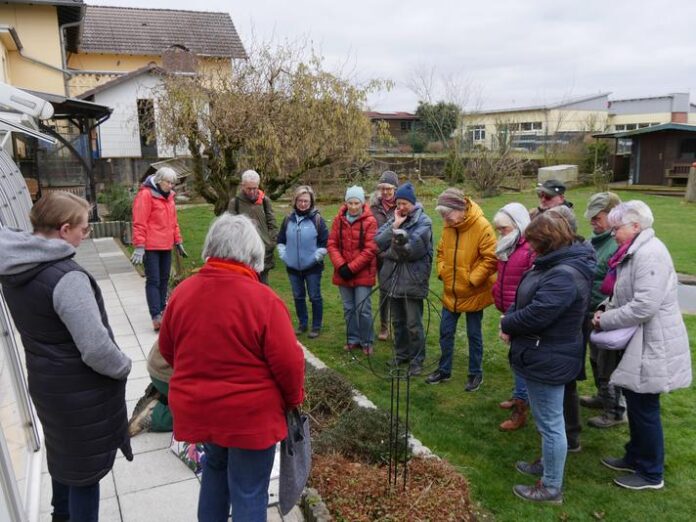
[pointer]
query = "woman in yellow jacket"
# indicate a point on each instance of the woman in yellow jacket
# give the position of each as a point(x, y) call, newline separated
point(466, 265)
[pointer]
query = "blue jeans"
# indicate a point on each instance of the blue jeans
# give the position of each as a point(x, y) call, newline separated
point(547, 407)
point(357, 311)
point(78, 503)
point(448, 327)
point(407, 325)
point(520, 391)
point(311, 281)
point(158, 265)
point(646, 448)
point(236, 477)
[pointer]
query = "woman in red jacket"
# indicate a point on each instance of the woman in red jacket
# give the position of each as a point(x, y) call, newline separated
point(353, 252)
point(515, 257)
point(237, 370)
point(155, 232)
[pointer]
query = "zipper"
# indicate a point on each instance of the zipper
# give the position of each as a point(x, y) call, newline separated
point(454, 278)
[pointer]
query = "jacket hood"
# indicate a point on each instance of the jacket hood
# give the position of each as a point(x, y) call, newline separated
point(22, 252)
point(365, 213)
point(473, 213)
point(579, 255)
point(149, 184)
point(519, 215)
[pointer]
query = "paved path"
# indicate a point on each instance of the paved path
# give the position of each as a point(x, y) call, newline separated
point(156, 486)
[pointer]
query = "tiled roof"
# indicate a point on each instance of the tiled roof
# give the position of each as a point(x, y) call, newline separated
point(124, 30)
point(150, 67)
point(391, 115)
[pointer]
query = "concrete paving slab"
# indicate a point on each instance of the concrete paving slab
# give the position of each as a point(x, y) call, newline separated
point(149, 470)
point(173, 503)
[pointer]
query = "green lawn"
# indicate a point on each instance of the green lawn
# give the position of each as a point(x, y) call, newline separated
point(463, 427)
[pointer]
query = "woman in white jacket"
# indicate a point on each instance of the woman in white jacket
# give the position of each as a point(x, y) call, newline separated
point(657, 358)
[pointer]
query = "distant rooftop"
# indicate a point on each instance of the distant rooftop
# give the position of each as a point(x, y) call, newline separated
point(131, 31)
point(391, 115)
point(554, 105)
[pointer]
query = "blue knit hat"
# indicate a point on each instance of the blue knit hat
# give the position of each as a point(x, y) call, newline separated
point(355, 192)
point(407, 192)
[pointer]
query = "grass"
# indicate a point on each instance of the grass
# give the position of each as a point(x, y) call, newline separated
point(462, 427)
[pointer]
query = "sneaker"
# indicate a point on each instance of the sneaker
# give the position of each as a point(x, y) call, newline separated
point(605, 421)
point(300, 330)
point(473, 383)
point(636, 482)
point(538, 493)
point(368, 350)
point(593, 402)
point(574, 447)
point(617, 464)
point(313, 334)
point(143, 420)
point(383, 333)
point(535, 469)
point(415, 370)
point(437, 377)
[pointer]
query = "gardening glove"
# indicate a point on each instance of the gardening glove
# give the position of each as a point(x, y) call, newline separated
point(319, 255)
point(180, 250)
point(138, 255)
point(345, 272)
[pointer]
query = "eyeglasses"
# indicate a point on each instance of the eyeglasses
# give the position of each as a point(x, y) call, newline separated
point(615, 229)
point(544, 195)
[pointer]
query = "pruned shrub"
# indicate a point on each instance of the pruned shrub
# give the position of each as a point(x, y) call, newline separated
point(119, 200)
point(328, 395)
point(361, 434)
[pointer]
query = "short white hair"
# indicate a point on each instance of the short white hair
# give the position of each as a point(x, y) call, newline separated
point(166, 174)
point(251, 175)
point(236, 238)
point(634, 211)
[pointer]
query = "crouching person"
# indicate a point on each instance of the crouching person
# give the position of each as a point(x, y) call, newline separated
point(152, 413)
point(232, 395)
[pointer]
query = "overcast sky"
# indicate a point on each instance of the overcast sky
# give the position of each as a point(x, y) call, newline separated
point(509, 52)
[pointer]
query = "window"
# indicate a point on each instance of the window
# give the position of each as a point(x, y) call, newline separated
point(530, 125)
point(478, 132)
point(619, 127)
point(406, 126)
point(630, 126)
point(146, 126)
point(643, 125)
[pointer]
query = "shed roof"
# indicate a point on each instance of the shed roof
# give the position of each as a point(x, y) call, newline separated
point(131, 31)
point(373, 115)
point(684, 127)
point(150, 67)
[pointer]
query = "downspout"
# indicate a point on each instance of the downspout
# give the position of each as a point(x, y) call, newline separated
point(20, 50)
point(63, 53)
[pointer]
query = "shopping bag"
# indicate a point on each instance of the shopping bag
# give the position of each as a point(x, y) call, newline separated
point(191, 454)
point(295, 461)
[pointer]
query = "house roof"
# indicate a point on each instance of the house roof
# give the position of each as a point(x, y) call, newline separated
point(648, 130)
point(548, 106)
point(391, 115)
point(65, 107)
point(131, 31)
point(150, 67)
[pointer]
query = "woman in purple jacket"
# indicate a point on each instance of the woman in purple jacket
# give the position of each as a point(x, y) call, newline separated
point(515, 257)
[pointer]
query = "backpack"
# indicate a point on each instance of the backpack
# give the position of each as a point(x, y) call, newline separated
point(316, 220)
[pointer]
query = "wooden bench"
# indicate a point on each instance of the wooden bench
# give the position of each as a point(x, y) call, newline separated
point(679, 172)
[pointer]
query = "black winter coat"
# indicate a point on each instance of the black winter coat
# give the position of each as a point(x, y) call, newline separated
point(546, 322)
point(83, 413)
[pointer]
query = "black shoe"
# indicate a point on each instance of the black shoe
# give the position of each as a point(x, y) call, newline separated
point(313, 334)
point(636, 482)
point(538, 493)
point(617, 464)
point(473, 383)
point(300, 330)
point(437, 377)
point(535, 469)
point(592, 401)
point(415, 370)
point(574, 447)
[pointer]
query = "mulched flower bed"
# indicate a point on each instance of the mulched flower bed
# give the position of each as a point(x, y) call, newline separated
point(358, 492)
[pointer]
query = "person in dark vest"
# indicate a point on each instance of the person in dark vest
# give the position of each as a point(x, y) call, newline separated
point(76, 372)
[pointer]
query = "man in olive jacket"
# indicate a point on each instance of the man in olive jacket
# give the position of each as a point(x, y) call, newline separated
point(254, 204)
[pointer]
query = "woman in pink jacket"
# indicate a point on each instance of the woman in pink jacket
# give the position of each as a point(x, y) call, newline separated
point(515, 257)
point(155, 233)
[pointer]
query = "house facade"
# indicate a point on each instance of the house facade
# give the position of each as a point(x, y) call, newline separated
point(400, 124)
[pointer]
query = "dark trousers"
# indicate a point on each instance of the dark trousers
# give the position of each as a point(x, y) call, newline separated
point(161, 415)
point(603, 363)
point(303, 283)
point(646, 448)
point(76, 503)
point(158, 265)
point(407, 324)
point(571, 414)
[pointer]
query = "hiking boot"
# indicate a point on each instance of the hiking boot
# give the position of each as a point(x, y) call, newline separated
point(636, 482)
point(605, 421)
point(473, 383)
point(368, 350)
point(534, 469)
point(507, 404)
point(617, 464)
point(593, 402)
point(415, 369)
point(518, 418)
point(538, 493)
point(383, 333)
point(300, 330)
point(574, 446)
point(437, 377)
point(313, 334)
point(143, 420)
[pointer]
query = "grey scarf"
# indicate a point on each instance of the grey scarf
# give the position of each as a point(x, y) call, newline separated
point(506, 245)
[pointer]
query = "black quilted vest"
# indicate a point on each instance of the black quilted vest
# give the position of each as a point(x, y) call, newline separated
point(83, 413)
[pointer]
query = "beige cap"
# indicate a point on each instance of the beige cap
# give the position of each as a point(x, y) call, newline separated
point(602, 201)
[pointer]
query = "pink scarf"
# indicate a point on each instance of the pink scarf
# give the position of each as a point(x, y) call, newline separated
point(607, 287)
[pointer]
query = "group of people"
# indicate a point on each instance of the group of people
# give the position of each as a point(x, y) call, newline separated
point(551, 287)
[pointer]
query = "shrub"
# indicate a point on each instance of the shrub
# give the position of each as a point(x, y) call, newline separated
point(328, 395)
point(360, 434)
point(119, 200)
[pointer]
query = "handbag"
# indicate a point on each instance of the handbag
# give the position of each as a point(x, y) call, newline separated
point(295, 460)
point(190, 454)
point(613, 339)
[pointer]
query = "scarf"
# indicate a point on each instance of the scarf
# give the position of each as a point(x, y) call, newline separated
point(352, 219)
point(388, 204)
point(506, 245)
point(232, 266)
point(159, 190)
point(607, 287)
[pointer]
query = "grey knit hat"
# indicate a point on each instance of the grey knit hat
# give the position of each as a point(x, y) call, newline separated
point(389, 177)
point(451, 199)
